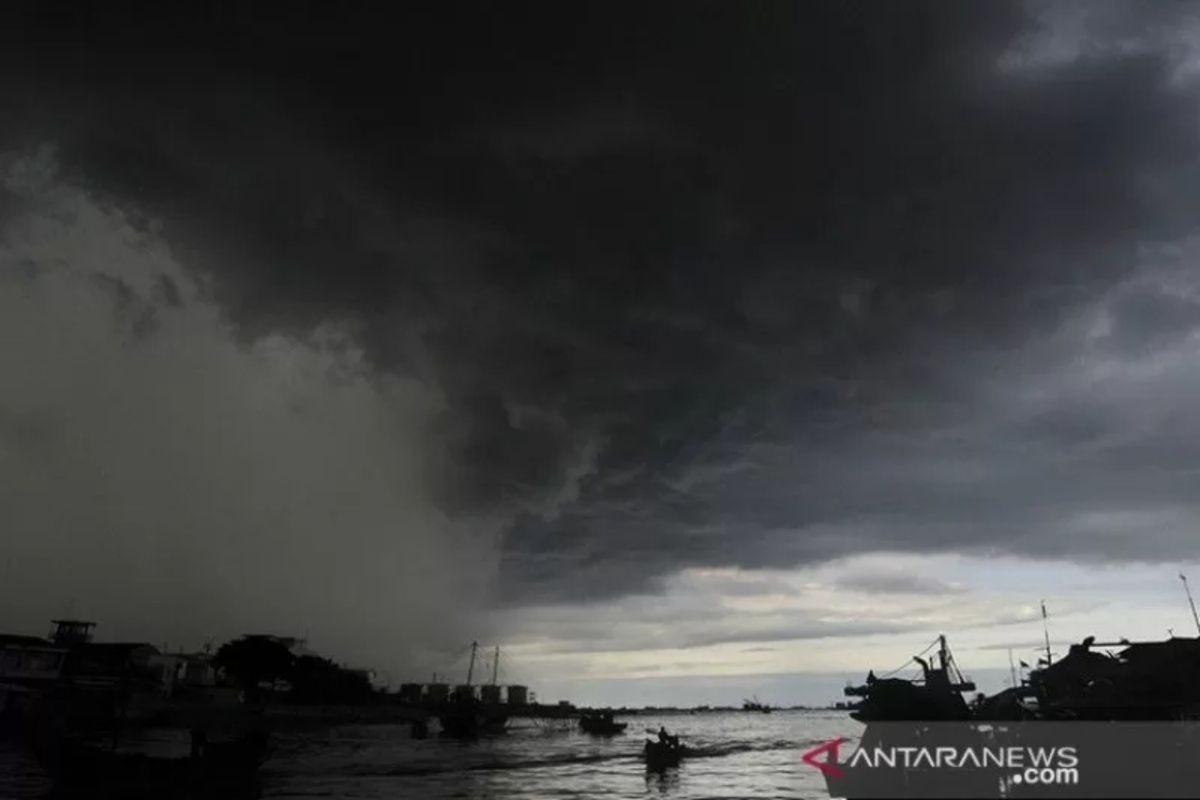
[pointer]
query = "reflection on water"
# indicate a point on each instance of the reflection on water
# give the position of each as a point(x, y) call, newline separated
point(737, 755)
point(663, 783)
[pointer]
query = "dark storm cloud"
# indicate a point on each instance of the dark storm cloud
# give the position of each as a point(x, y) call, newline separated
point(700, 284)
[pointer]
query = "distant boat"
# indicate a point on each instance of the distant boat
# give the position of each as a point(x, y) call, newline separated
point(754, 705)
point(601, 725)
point(472, 719)
point(468, 718)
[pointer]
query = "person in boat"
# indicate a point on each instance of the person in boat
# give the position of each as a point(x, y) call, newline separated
point(667, 739)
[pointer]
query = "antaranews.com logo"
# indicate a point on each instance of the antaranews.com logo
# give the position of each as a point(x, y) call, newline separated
point(1043, 766)
point(1013, 759)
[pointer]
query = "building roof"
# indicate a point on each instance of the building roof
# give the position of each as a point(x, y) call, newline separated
point(20, 638)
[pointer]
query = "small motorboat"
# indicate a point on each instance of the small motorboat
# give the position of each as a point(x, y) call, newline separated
point(662, 755)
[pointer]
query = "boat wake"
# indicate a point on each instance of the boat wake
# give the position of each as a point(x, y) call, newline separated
point(734, 748)
point(560, 760)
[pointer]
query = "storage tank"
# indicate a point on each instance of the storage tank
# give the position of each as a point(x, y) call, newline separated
point(464, 691)
point(518, 695)
point(410, 692)
point(437, 692)
point(490, 694)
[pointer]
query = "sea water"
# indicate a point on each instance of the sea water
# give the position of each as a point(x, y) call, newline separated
point(737, 755)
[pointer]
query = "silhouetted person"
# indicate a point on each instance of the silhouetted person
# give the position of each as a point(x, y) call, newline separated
point(662, 735)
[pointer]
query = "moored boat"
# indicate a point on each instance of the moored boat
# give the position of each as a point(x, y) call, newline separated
point(1123, 680)
point(935, 696)
point(601, 724)
point(471, 719)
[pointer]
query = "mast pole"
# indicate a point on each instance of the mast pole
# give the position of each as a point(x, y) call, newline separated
point(471, 668)
point(1191, 602)
point(1046, 632)
point(495, 664)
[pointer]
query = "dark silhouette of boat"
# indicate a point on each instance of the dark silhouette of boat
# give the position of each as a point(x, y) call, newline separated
point(1143, 681)
point(754, 705)
point(663, 755)
point(470, 719)
point(601, 724)
point(466, 716)
point(935, 696)
point(1139, 682)
point(1122, 681)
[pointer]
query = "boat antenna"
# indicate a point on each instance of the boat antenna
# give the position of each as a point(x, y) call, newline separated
point(495, 664)
point(1046, 632)
point(1012, 671)
point(1191, 602)
point(471, 667)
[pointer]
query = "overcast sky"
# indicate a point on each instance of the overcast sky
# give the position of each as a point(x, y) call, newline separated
point(733, 347)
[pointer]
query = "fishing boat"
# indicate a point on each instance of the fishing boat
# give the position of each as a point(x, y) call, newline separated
point(935, 696)
point(1139, 682)
point(601, 724)
point(471, 719)
point(753, 704)
point(1122, 680)
point(662, 755)
point(1118, 680)
point(467, 717)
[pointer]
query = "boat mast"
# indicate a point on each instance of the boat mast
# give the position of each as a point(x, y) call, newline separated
point(471, 668)
point(1191, 602)
point(1046, 632)
point(495, 664)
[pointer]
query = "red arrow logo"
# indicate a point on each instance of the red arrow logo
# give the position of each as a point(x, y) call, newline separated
point(828, 766)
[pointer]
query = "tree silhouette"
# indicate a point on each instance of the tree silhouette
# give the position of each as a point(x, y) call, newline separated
point(319, 680)
point(252, 660)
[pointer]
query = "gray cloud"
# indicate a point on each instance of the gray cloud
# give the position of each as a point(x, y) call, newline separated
point(898, 583)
